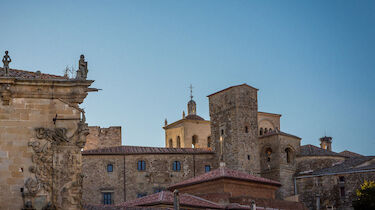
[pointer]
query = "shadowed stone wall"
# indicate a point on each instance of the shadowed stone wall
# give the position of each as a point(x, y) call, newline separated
point(158, 175)
point(233, 114)
point(327, 189)
point(103, 137)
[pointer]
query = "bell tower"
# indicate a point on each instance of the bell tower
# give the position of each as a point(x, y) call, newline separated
point(234, 127)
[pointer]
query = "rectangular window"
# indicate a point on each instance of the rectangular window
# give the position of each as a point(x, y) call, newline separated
point(207, 168)
point(107, 198)
point(342, 191)
point(109, 168)
point(141, 165)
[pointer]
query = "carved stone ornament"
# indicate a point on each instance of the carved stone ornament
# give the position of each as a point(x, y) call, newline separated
point(57, 165)
point(5, 93)
point(32, 186)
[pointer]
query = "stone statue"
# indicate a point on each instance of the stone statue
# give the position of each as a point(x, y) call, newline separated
point(82, 68)
point(6, 61)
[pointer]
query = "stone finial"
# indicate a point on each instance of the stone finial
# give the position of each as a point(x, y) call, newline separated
point(183, 114)
point(6, 61)
point(165, 122)
point(82, 68)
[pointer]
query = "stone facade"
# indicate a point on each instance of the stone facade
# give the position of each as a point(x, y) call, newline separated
point(234, 127)
point(278, 160)
point(126, 182)
point(42, 131)
point(103, 137)
point(238, 135)
point(332, 191)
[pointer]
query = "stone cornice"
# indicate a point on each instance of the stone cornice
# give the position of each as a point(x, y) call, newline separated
point(73, 91)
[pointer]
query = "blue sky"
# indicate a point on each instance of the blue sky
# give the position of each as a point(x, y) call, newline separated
point(312, 61)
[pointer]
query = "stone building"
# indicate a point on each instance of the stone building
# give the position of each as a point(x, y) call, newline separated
point(239, 136)
point(42, 132)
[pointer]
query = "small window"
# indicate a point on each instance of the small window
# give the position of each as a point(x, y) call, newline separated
point(141, 166)
point(107, 198)
point(342, 179)
point(176, 166)
point(109, 168)
point(170, 143)
point(288, 153)
point(248, 157)
point(342, 191)
point(194, 141)
point(222, 131)
point(140, 195)
point(246, 129)
point(178, 142)
point(261, 131)
point(209, 141)
point(207, 168)
point(268, 154)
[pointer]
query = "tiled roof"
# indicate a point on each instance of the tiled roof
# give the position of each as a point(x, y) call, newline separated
point(223, 172)
point(129, 150)
point(166, 197)
point(350, 154)
point(349, 165)
point(29, 75)
point(311, 150)
point(193, 117)
point(278, 132)
point(246, 85)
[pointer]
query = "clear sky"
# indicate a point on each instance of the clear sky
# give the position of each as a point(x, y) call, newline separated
point(312, 61)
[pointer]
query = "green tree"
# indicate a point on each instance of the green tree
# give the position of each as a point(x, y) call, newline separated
point(365, 198)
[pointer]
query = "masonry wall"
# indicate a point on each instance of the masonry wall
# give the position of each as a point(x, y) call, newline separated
point(327, 189)
point(233, 114)
point(278, 168)
point(157, 176)
point(18, 122)
point(103, 137)
point(312, 163)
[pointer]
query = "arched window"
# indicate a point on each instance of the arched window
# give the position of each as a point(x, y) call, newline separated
point(178, 142)
point(194, 141)
point(261, 131)
point(270, 130)
point(141, 166)
point(265, 130)
point(176, 166)
point(246, 129)
point(268, 154)
point(288, 152)
point(209, 141)
point(170, 143)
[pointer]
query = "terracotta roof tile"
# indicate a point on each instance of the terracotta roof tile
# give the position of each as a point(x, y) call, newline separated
point(224, 173)
point(129, 150)
point(29, 75)
point(166, 197)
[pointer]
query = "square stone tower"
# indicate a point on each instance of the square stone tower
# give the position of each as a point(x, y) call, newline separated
point(234, 127)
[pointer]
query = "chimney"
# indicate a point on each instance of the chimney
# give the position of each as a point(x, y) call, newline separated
point(325, 143)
